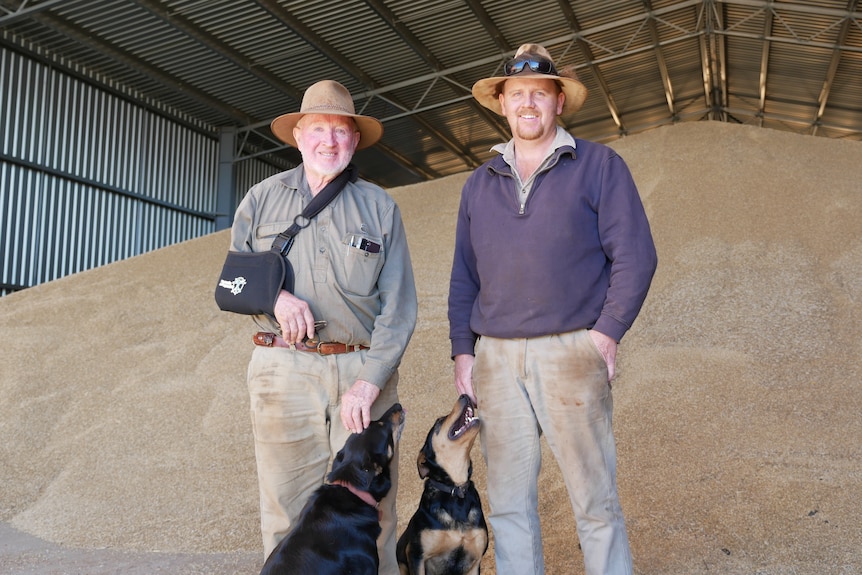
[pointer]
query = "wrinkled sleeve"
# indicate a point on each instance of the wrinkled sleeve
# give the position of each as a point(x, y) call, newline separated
point(628, 244)
point(394, 325)
point(242, 229)
point(463, 282)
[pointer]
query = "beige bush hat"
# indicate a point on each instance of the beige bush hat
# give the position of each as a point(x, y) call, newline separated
point(330, 98)
point(531, 61)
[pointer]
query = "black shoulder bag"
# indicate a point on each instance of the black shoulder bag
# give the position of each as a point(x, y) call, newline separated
point(251, 281)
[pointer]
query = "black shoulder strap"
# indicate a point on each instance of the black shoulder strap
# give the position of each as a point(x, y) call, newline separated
point(284, 241)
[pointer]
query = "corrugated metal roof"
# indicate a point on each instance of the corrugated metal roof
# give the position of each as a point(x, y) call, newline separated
point(214, 63)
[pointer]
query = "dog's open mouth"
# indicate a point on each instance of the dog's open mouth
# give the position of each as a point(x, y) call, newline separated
point(466, 420)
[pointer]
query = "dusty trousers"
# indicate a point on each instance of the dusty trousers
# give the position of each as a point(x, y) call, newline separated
point(295, 411)
point(557, 386)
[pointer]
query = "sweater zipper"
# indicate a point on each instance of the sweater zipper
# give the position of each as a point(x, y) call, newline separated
point(522, 205)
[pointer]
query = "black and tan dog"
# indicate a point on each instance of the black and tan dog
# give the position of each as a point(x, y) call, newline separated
point(447, 535)
point(337, 530)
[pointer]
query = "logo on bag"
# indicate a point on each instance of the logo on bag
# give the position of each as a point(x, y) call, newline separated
point(235, 286)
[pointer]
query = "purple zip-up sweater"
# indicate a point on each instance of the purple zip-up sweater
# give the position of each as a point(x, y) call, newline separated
point(578, 255)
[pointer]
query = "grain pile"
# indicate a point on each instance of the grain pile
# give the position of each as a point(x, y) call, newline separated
point(124, 415)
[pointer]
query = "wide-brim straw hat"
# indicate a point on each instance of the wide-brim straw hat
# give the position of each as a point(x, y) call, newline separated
point(330, 98)
point(487, 90)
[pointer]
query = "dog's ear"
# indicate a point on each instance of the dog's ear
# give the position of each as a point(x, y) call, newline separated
point(421, 465)
point(427, 457)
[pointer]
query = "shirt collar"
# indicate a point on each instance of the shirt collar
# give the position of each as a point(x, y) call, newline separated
point(561, 138)
point(295, 180)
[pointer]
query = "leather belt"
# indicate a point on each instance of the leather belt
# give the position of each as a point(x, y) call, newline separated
point(267, 339)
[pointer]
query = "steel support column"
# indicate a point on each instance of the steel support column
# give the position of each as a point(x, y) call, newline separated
point(226, 179)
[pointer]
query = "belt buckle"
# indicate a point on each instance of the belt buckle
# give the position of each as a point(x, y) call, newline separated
point(315, 342)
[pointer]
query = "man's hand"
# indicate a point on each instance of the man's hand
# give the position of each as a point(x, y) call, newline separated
point(294, 317)
point(356, 405)
point(608, 348)
point(464, 375)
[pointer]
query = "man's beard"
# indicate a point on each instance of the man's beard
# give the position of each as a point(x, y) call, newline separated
point(326, 169)
point(533, 132)
point(332, 171)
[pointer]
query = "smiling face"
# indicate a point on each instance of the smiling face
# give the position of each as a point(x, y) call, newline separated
point(327, 144)
point(531, 105)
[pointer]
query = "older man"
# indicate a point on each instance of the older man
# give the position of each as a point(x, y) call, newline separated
point(553, 260)
point(354, 277)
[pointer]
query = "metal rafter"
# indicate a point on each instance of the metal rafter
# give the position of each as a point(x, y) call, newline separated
point(840, 39)
point(764, 64)
point(88, 39)
point(789, 120)
point(432, 62)
point(703, 41)
point(795, 7)
point(496, 122)
point(211, 42)
point(589, 58)
point(489, 25)
point(308, 35)
point(9, 13)
point(721, 53)
point(283, 16)
point(184, 25)
point(662, 64)
point(840, 16)
point(713, 30)
point(716, 58)
point(286, 19)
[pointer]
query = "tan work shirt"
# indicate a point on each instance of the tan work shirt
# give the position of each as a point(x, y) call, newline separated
point(366, 294)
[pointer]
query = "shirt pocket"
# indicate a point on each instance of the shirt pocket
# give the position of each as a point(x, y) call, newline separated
point(363, 260)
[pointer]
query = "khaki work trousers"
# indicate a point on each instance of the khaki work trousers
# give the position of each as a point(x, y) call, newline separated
point(296, 420)
point(556, 386)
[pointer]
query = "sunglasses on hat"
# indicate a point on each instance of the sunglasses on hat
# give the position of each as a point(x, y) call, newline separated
point(517, 66)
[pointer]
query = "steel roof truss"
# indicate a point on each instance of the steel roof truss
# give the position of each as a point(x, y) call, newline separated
point(835, 59)
point(764, 64)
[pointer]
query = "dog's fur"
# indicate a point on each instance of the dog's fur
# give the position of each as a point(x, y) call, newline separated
point(447, 535)
point(337, 530)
